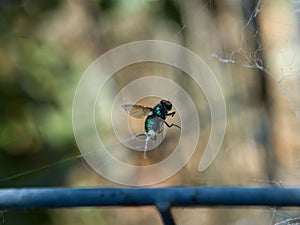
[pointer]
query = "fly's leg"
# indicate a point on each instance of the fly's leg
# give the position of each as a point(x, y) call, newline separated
point(171, 114)
point(140, 135)
point(145, 135)
point(172, 125)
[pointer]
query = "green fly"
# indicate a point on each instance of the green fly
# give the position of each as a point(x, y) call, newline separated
point(155, 118)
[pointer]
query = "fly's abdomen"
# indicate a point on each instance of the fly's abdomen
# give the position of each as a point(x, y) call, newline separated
point(154, 123)
point(149, 124)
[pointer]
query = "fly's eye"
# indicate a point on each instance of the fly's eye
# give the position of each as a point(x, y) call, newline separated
point(169, 106)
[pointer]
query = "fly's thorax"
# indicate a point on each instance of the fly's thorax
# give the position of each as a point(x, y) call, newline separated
point(160, 111)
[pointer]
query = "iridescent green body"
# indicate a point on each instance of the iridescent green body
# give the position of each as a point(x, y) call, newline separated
point(155, 120)
point(158, 115)
point(155, 116)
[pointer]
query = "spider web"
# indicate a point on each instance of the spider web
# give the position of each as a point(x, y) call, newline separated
point(287, 72)
point(286, 76)
point(251, 58)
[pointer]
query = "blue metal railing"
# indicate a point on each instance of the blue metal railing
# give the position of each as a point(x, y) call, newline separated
point(162, 198)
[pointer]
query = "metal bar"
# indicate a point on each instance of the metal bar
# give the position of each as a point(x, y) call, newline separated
point(167, 217)
point(173, 196)
point(165, 213)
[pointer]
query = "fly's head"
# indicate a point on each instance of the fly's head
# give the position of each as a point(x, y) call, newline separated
point(167, 104)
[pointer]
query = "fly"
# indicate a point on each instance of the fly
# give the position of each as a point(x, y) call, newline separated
point(155, 119)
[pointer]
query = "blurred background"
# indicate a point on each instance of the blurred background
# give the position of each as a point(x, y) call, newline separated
point(252, 47)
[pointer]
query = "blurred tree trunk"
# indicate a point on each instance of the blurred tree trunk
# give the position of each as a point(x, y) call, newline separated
point(281, 42)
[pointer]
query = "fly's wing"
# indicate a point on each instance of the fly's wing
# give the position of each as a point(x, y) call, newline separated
point(137, 111)
point(155, 124)
point(159, 125)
